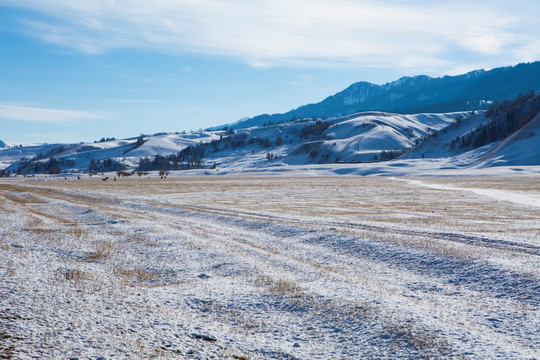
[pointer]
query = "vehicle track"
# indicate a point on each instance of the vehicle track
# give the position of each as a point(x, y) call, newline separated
point(312, 251)
point(376, 249)
point(117, 205)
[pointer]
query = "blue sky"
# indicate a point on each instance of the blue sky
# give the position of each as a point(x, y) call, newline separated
point(75, 71)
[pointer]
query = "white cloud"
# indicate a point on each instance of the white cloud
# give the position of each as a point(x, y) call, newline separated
point(408, 34)
point(301, 79)
point(55, 116)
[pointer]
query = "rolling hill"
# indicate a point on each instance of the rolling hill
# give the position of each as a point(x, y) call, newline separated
point(507, 134)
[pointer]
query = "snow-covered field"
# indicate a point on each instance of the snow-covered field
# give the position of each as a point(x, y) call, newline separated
point(236, 267)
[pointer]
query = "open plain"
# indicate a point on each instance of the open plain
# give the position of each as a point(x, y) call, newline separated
point(237, 267)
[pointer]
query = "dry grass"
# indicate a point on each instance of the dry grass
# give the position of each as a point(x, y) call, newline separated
point(7, 341)
point(3, 242)
point(427, 342)
point(77, 232)
point(84, 280)
point(102, 250)
point(240, 357)
point(137, 275)
point(375, 200)
point(286, 288)
point(280, 286)
point(72, 274)
point(24, 199)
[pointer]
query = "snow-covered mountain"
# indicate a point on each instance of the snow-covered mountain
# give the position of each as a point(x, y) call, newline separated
point(506, 134)
point(472, 91)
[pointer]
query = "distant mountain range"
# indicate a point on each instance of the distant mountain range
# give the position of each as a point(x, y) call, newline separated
point(475, 90)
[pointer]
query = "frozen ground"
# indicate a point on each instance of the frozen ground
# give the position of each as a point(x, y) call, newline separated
point(270, 267)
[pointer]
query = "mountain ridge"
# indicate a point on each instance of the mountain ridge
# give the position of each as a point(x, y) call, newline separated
point(474, 90)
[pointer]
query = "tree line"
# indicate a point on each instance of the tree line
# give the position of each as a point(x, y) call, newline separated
point(504, 119)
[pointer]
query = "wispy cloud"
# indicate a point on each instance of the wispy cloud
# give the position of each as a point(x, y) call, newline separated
point(54, 116)
point(301, 79)
point(407, 34)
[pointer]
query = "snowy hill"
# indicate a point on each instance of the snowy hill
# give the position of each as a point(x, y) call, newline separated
point(10, 155)
point(521, 148)
point(507, 134)
point(100, 156)
point(440, 144)
point(474, 90)
point(362, 137)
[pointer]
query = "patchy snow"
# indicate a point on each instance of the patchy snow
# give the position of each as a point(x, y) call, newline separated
point(268, 267)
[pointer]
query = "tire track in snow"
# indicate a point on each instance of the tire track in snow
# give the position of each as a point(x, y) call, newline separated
point(494, 279)
point(282, 258)
point(114, 202)
point(478, 276)
point(319, 223)
point(463, 272)
point(349, 251)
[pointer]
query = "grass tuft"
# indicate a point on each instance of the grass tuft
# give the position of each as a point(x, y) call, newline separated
point(137, 274)
point(72, 274)
point(102, 250)
point(427, 342)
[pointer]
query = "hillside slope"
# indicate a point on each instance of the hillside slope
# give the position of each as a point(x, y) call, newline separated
point(507, 134)
point(361, 137)
point(521, 148)
point(441, 144)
